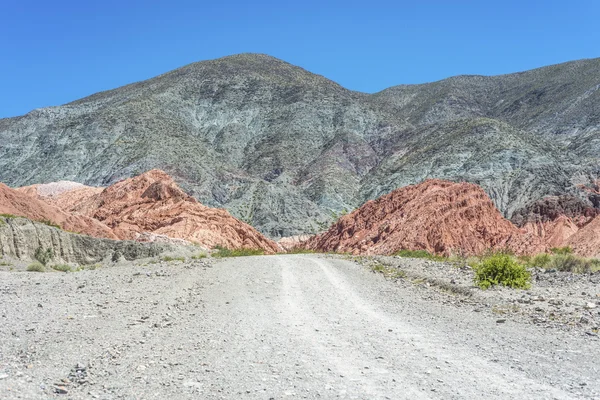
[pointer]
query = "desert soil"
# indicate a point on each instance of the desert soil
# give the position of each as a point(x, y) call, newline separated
point(272, 327)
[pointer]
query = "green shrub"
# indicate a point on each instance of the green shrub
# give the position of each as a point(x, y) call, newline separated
point(44, 255)
point(570, 263)
point(35, 267)
point(199, 256)
point(540, 260)
point(562, 250)
point(418, 254)
point(225, 252)
point(501, 269)
point(170, 259)
point(61, 267)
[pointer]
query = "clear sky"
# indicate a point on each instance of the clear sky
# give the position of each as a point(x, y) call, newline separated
point(53, 52)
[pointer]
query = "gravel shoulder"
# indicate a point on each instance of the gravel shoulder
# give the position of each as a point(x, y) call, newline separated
point(295, 326)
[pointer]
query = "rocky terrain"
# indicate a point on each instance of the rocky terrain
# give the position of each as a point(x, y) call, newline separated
point(151, 207)
point(289, 151)
point(294, 326)
point(438, 216)
point(20, 238)
point(558, 300)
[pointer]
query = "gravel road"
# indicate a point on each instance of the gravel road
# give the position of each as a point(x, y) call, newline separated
point(269, 327)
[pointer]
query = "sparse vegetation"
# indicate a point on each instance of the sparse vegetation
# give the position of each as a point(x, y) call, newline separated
point(570, 263)
point(387, 271)
point(199, 256)
point(418, 254)
point(540, 260)
point(35, 267)
point(562, 250)
point(501, 269)
point(8, 216)
point(61, 267)
point(225, 252)
point(49, 223)
point(563, 260)
point(44, 255)
point(171, 259)
point(299, 250)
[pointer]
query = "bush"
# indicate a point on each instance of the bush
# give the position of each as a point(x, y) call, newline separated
point(225, 252)
point(62, 268)
point(501, 269)
point(199, 256)
point(418, 254)
point(35, 267)
point(44, 255)
point(540, 261)
point(562, 250)
point(570, 263)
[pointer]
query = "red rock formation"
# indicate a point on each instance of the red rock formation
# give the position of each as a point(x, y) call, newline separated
point(292, 242)
point(153, 203)
point(438, 216)
point(18, 203)
point(586, 241)
point(555, 233)
point(555, 219)
point(68, 196)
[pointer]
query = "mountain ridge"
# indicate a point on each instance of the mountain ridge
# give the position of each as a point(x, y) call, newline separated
point(287, 150)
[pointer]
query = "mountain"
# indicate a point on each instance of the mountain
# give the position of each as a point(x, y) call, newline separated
point(288, 151)
point(148, 207)
point(438, 216)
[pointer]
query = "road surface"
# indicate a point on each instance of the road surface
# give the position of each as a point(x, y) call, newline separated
point(269, 327)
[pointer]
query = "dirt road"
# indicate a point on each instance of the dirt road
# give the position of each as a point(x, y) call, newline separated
point(269, 327)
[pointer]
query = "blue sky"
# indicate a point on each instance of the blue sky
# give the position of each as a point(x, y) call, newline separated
point(54, 52)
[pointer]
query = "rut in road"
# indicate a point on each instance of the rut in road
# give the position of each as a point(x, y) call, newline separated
point(378, 353)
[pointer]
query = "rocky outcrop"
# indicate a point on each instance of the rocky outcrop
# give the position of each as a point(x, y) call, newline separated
point(21, 237)
point(586, 241)
point(550, 208)
point(287, 150)
point(18, 203)
point(151, 207)
point(555, 219)
point(441, 217)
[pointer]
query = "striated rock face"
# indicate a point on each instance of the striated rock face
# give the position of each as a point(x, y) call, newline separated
point(151, 207)
point(20, 237)
point(555, 233)
point(439, 216)
point(18, 203)
point(586, 241)
point(556, 218)
point(550, 208)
